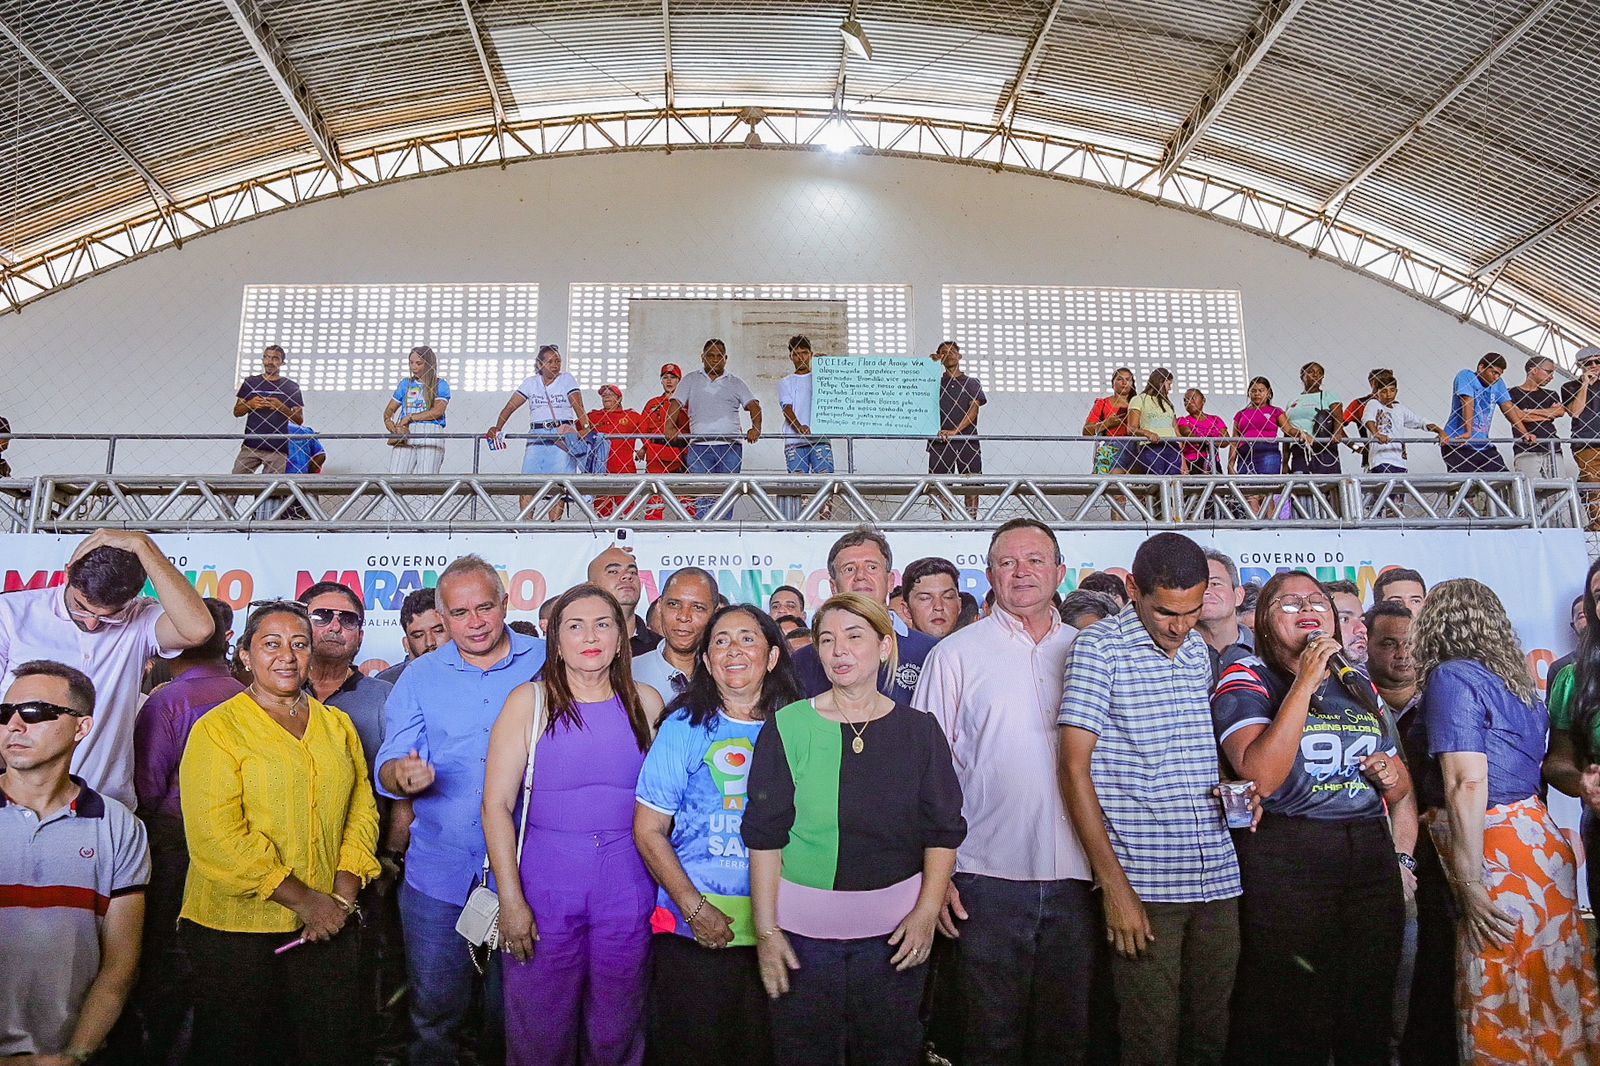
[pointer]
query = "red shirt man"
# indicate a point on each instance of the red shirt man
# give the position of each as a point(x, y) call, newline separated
point(612, 419)
point(660, 458)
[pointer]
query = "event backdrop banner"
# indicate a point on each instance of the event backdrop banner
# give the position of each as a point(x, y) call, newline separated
point(1536, 572)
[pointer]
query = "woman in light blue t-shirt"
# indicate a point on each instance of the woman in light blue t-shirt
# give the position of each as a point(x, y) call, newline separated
point(415, 414)
point(706, 999)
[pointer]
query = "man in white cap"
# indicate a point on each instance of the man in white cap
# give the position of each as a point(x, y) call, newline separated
point(617, 423)
point(1583, 405)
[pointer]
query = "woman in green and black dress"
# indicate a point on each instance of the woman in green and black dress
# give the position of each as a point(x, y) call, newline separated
point(853, 820)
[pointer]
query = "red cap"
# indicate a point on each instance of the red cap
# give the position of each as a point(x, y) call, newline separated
point(614, 388)
point(671, 368)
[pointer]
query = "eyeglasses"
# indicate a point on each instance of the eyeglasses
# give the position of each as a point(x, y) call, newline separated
point(324, 616)
point(114, 618)
point(35, 711)
point(1296, 604)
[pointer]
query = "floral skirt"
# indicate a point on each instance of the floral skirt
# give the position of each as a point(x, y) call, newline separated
point(1533, 1001)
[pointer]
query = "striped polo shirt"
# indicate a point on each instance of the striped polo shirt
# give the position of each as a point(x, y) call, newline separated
point(1155, 763)
point(58, 875)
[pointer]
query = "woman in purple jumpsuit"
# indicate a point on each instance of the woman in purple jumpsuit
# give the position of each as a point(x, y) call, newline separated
point(575, 919)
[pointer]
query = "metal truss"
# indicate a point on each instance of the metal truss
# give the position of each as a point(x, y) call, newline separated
point(1516, 320)
point(779, 501)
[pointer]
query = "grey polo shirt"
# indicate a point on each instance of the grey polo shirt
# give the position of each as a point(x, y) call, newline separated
point(362, 698)
point(58, 876)
point(714, 406)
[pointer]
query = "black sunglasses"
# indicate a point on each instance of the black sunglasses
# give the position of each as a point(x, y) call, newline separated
point(35, 711)
point(325, 615)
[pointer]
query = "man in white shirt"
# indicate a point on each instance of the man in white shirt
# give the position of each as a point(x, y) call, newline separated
point(98, 623)
point(802, 453)
point(713, 399)
point(1021, 902)
point(555, 407)
point(687, 601)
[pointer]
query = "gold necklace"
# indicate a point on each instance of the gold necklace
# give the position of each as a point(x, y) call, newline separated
point(294, 708)
point(857, 745)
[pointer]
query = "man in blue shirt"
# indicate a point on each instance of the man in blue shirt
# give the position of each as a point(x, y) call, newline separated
point(1473, 398)
point(436, 741)
point(860, 561)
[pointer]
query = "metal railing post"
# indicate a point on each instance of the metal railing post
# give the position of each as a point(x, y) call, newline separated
point(850, 455)
point(111, 453)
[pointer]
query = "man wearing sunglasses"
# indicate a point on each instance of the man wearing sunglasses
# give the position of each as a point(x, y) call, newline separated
point(98, 623)
point(74, 865)
point(337, 623)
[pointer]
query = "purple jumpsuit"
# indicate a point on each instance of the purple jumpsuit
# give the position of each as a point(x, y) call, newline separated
point(581, 997)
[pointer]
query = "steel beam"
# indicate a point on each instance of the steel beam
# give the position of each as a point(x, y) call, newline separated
point(1490, 56)
point(158, 192)
point(1246, 55)
point(1006, 112)
point(666, 44)
point(500, 122)
point(1549, 229)
point(290, 85)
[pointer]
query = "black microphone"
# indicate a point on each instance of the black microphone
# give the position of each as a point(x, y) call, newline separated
point(1353, 681)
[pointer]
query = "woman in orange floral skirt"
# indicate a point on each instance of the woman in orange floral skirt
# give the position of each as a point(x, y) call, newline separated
point(1524, 990)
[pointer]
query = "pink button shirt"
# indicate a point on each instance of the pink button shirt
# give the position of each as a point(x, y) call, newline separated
point(34, 624)
point(996, 694)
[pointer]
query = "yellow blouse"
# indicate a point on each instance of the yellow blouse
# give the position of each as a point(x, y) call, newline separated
point(259, 805)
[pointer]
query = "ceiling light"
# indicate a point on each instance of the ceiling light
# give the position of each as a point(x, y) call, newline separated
point(855, 39)
point(837, 136)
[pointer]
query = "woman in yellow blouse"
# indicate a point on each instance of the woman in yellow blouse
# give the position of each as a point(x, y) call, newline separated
point(282, 829)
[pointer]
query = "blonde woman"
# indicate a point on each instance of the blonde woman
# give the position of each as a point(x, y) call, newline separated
point(415, 414)
point(1524, 990)
point(854, 816)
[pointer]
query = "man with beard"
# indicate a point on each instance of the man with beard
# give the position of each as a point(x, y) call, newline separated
point(1346, 597)
point(98, 623)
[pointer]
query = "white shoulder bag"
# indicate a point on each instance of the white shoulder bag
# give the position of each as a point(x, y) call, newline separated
point(480, 918)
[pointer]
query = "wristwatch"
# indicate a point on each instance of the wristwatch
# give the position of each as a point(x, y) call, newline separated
point(1405, 860)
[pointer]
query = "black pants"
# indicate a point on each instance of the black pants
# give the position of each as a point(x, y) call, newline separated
point(1026, 959)
point(161, 998)
point(846, 1004)
point(1320, 926)
point(254, 1008)
point(707, 1006)
point(1430, 1038)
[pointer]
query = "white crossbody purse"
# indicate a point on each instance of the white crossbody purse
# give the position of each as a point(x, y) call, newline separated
point(480, 918)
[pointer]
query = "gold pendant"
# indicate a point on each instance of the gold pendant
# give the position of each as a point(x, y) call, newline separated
point(857, 744)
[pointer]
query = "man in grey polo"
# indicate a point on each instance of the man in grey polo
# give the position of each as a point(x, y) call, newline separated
point(713, 399)
point(337, 621)
point(73, 868)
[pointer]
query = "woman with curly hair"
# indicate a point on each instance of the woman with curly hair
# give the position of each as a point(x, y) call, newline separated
point(1524, 990)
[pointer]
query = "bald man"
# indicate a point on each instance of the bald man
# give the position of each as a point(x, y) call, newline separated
point(616, 571)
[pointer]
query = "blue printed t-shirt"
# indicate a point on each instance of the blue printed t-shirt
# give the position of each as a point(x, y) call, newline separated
point(1466, 707)
point(698, 775)
point(413, 400)
point(1485, 399)
point(1326, 782)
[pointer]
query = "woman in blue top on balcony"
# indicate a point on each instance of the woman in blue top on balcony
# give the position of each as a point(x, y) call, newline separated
point(415, 416)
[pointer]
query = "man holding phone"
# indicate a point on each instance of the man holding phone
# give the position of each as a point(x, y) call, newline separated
point(268, 402)
point(1583, 405)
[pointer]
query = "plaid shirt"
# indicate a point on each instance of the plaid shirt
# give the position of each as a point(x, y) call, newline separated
point(1156, 760)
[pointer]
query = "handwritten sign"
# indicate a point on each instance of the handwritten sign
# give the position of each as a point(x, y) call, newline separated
point(875, 395)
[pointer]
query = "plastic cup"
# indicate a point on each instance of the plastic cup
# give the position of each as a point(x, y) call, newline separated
point(1236, 813)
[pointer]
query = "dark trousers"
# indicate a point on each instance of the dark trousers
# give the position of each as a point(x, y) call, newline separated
point(1430, 1036)
point(847, 1004)
point(707, 1005)
point(1473, 459)
point(161, 998)
point(1320, 924)
point(1172, 1001)
point(1026, 959)
point(254, 1008)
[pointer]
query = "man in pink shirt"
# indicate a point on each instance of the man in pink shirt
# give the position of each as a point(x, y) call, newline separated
point(1021, 902)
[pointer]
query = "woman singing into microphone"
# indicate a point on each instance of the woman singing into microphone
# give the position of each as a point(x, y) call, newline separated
point(1322, 914)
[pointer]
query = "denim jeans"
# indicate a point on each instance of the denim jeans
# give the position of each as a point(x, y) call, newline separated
point(1026, 959)
point(802, 457)
point(712, 457)
point(442, 978)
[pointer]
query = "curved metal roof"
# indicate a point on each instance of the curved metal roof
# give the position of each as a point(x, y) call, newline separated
point(1451, 147)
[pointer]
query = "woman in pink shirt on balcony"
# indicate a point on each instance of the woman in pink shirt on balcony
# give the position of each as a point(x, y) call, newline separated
point(1200, 458)
point(1259, 421)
